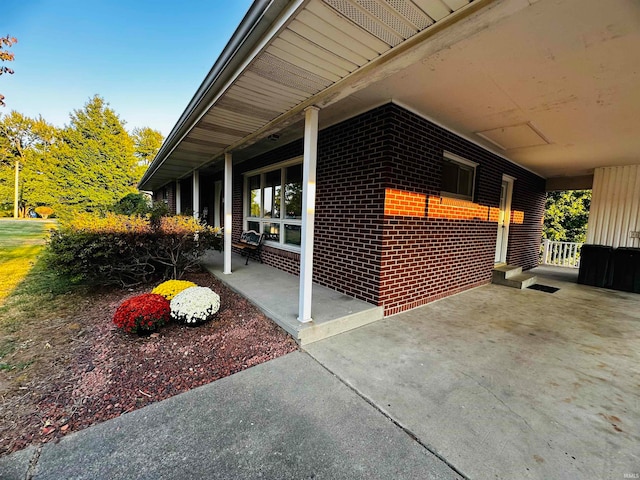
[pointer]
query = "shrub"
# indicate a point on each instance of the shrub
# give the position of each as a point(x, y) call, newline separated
point(133, 204)
point(44, 212)
point(128, 250)
point(181, 242)
point(146, 312)
point(195, 305)
point(102, 250)
point(171, 288)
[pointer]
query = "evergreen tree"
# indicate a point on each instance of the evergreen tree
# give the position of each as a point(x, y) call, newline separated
point(87, 166)
point(96, 165)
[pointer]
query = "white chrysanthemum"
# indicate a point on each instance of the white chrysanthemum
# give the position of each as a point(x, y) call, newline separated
point(195, 305)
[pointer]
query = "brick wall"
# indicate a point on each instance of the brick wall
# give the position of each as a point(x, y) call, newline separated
point(383, 233)
point(158, 196)
point(449, 246)
point(350, 206)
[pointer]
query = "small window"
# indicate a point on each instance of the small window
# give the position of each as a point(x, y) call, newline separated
point(458, 177)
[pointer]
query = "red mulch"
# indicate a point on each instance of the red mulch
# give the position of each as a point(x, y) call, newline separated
point(106, 372)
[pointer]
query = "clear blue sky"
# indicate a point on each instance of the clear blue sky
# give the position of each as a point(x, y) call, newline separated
point(145, 57)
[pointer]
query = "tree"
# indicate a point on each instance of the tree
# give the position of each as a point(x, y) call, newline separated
point(146, 142)
point(96, 162)
point(22, 139)
point(87, 166)
point(566, 215)
point(44, 211)
point(6, 56)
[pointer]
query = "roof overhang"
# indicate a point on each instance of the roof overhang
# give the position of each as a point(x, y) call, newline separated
point(549, 85)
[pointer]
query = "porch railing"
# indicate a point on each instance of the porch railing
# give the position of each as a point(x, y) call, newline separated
point(562, 254)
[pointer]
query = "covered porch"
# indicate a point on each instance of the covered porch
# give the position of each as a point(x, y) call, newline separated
point(506, 383)
point(275, 292)
point(547, 86)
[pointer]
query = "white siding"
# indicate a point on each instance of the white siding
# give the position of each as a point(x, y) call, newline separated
point(615, 207)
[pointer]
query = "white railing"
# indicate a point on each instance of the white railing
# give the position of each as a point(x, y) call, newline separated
point(561, 254)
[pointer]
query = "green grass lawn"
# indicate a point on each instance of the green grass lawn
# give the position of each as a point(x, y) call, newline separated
point(21, 241)
point(32, 300)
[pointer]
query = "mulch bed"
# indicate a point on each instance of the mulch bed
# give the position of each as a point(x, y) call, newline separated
point(105, 373)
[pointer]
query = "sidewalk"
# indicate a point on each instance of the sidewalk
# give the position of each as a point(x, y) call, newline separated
point(285, 419)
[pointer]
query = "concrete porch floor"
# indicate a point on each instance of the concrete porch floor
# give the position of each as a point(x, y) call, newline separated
point(276, 293)
point(505, 383)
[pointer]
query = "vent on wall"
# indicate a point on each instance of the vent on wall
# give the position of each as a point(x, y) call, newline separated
point(515, 136)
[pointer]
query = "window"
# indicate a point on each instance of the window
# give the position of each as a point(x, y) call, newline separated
point(458, 177)
point(274, 203)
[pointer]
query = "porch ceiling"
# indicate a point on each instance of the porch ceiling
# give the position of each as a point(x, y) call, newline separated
point(551, 85)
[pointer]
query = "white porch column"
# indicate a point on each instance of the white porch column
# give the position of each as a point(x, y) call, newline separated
point(196, 194)
point(217, 188)
point(308, 211)
point(178, 198)
point(228, 180)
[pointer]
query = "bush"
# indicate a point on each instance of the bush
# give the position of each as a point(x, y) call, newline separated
point(171, 288)
point(128, 250)
point(144, 313)
point(195, 305)
point(181, 242)
point(44, 212)
point(133, 204)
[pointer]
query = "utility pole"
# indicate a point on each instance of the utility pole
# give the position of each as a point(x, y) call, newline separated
point(16, 193)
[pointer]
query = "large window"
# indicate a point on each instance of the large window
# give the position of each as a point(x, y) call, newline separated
point(274, 203)
point(458, 177)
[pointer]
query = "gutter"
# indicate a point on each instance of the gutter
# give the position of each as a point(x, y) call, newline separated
point(255, 23)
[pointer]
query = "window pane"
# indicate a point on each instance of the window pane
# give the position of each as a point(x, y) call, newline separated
point(254, 196)
point(253, 226)
point(271, 231)
point(465, 178)
point(272, 194)
point(449, 177)
point(292, 234)
point(293, 192)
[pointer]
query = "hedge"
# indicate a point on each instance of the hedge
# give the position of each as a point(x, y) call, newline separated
point(128, 250)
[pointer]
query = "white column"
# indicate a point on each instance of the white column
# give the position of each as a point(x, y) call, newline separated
point(308, 211)
point(178, 198)
point(196, 194)
point(228, 180)
point(217, 188)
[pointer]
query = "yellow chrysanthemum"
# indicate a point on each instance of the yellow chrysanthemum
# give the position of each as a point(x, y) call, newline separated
point(171, 288)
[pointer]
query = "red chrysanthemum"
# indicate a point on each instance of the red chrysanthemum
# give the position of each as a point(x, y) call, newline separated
point(146, 312)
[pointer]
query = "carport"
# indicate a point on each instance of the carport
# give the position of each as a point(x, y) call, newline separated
point(503, 383)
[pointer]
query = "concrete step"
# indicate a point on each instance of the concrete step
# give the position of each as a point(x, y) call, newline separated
point(312, 332)
point(512, 276)
point(506, 271)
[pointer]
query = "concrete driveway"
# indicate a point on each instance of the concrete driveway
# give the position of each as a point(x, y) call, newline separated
point(503, 383)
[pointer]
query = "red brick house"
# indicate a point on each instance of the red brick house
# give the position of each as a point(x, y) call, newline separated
point(384, 153)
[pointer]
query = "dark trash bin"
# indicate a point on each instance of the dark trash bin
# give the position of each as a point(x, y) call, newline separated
point(624, 270)
point(594, 265)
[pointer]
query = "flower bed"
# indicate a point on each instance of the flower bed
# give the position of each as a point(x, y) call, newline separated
point(195, 305)
point(171, 288)
point(146, 312)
